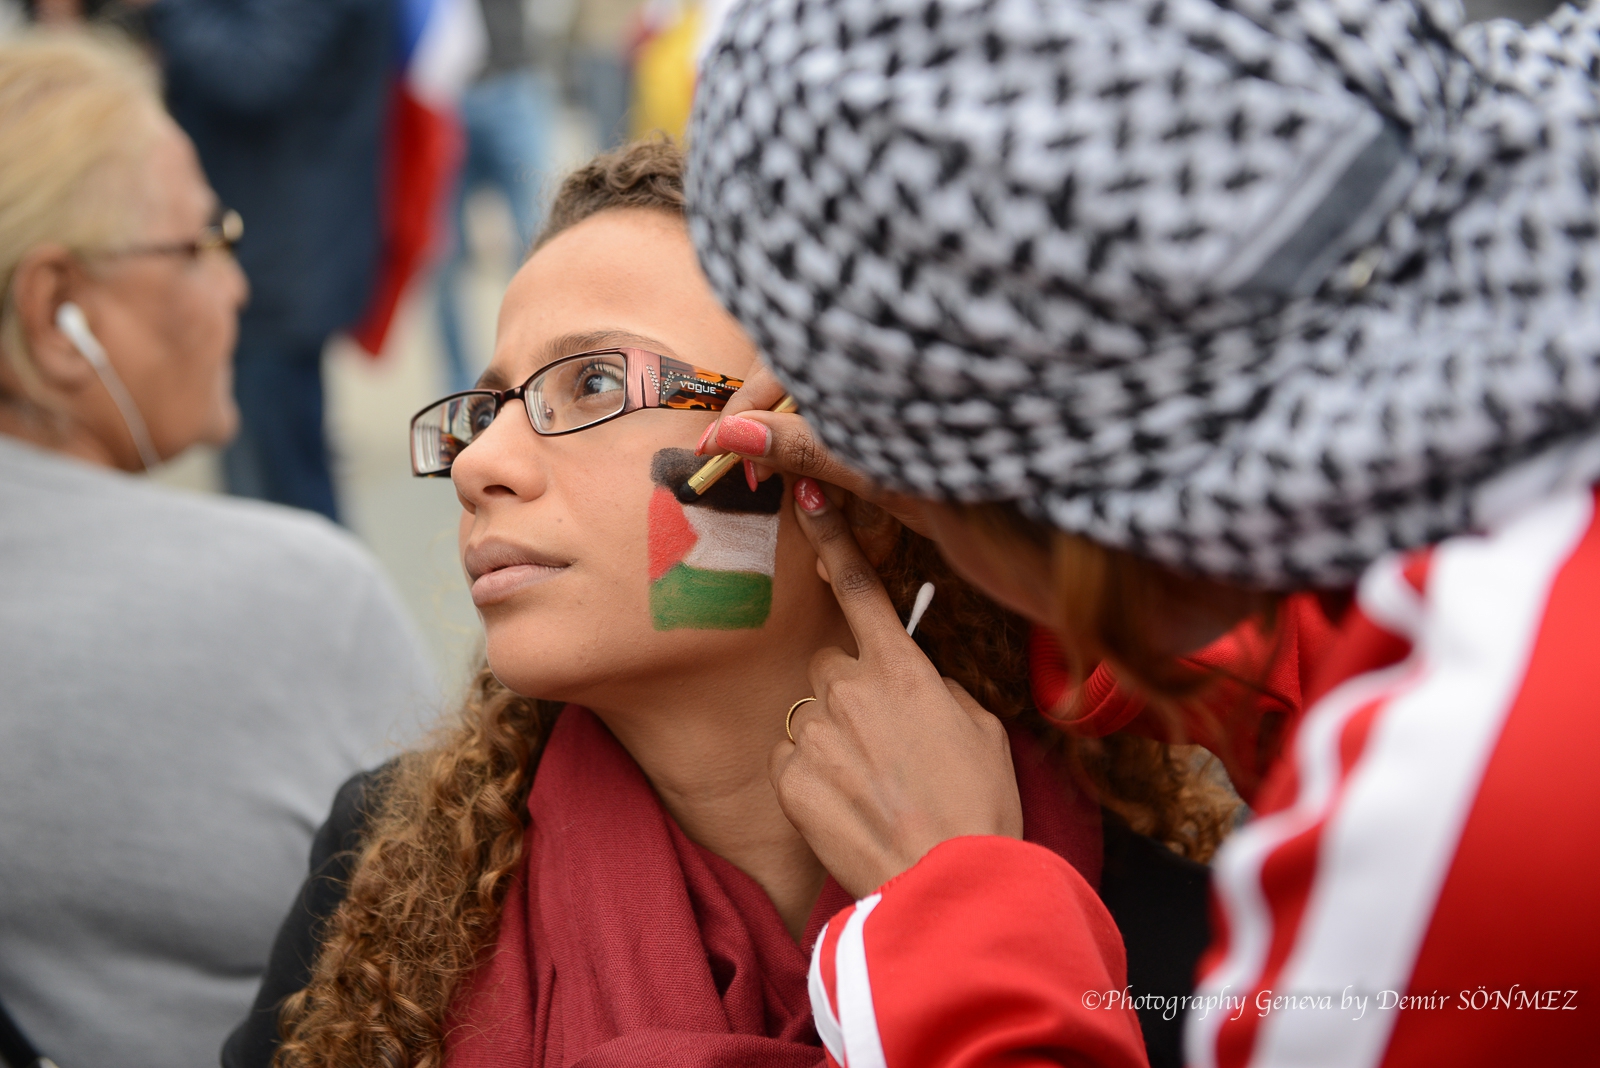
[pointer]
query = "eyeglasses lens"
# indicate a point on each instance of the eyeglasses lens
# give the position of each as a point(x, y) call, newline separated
point(439, 434)
point(576, 393)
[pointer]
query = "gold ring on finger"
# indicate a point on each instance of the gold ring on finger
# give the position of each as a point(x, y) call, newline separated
point(788, 721)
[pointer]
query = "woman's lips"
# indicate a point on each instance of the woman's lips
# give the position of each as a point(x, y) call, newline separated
point(498, 569)
point(495, 586)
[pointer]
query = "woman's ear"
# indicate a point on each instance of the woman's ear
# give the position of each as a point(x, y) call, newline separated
point(876, 530)
point(42, 283)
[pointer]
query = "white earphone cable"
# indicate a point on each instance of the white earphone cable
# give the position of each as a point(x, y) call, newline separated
point(71, 321)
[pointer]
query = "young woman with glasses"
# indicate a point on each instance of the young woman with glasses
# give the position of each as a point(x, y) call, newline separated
point(589, 864)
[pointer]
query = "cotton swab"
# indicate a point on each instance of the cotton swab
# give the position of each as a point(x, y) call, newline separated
point(924, 599)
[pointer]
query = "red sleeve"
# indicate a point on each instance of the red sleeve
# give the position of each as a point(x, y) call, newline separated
point(1261, 681)
point(988, 952)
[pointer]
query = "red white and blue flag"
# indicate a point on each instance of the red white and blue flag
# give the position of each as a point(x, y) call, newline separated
point(442, 47)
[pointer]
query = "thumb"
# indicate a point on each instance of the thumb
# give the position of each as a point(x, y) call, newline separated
point(761, 390)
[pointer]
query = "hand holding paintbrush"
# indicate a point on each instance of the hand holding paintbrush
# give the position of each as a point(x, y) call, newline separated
point(718, 466)
point(790, 447)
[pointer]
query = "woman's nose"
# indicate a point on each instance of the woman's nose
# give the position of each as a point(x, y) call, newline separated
point(238, 285)
point(503, 463)
point(226, 280)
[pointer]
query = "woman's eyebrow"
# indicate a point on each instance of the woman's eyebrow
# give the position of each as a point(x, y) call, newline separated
point(572, 344)
point(569, 344)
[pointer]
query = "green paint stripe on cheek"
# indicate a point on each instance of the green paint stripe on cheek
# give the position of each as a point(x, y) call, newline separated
point(689, 598)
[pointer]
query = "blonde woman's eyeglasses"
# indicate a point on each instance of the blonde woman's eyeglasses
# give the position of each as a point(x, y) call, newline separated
point(222, 234)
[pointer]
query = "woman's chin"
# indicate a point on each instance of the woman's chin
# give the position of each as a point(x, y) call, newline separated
point(533, 687)
point(223, 427)
point(523, 667)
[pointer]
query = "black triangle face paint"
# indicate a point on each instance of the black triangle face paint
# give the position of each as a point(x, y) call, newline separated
point(671, 469)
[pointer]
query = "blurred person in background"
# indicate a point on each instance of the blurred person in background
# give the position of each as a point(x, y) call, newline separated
point(602, 66)
point(187, 678)
point(286, 101)
point(506, 115)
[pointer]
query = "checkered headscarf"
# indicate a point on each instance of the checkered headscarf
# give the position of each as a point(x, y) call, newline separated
point(1261, 291)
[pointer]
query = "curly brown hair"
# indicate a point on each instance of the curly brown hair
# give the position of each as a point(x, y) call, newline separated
point(446, 833)
point(644, 174)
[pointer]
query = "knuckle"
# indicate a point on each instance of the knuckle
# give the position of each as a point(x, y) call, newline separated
point(804, 452)
point(829, 527)
point(854, 578)
point(841, 693)
point(807, 732)
point(780, 769)
point(995, 732)
point(828, 665)
point(833, 691)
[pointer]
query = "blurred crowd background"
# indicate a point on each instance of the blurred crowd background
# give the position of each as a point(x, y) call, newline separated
point(531, 88)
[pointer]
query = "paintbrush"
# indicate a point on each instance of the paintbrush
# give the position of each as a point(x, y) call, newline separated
point(718, 466)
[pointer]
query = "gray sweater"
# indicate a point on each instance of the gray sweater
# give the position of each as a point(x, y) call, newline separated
point(184, 683)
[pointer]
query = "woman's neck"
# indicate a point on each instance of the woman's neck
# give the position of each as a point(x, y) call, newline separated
point(26, 422)
point(705, 748)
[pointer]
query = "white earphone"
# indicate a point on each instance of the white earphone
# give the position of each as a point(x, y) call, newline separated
point(71, 321)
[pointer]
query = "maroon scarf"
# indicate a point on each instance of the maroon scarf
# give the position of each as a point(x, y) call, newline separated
point(624, 943)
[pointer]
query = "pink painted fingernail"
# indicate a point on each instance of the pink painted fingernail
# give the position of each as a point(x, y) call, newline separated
point(744, 436)
point(809, 496)
point(700, 448)
point(750, 476)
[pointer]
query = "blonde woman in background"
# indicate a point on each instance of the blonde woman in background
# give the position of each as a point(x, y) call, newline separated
point(186, 679)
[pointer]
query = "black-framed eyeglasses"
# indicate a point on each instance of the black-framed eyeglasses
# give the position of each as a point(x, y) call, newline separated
point(222, 233)
point(573, 393)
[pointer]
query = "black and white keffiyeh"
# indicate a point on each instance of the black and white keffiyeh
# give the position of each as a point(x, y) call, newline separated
point(1262, 290)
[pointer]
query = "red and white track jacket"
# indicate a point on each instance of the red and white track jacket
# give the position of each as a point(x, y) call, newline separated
point(1408, 895)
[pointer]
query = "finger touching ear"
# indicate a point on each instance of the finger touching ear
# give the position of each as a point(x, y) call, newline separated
point(876, 531)
point(856, 585)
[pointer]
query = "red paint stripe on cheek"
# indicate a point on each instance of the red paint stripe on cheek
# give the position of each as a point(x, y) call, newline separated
point(671, 536)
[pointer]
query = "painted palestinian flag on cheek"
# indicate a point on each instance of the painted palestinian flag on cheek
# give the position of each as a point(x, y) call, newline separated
point(711, 562)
